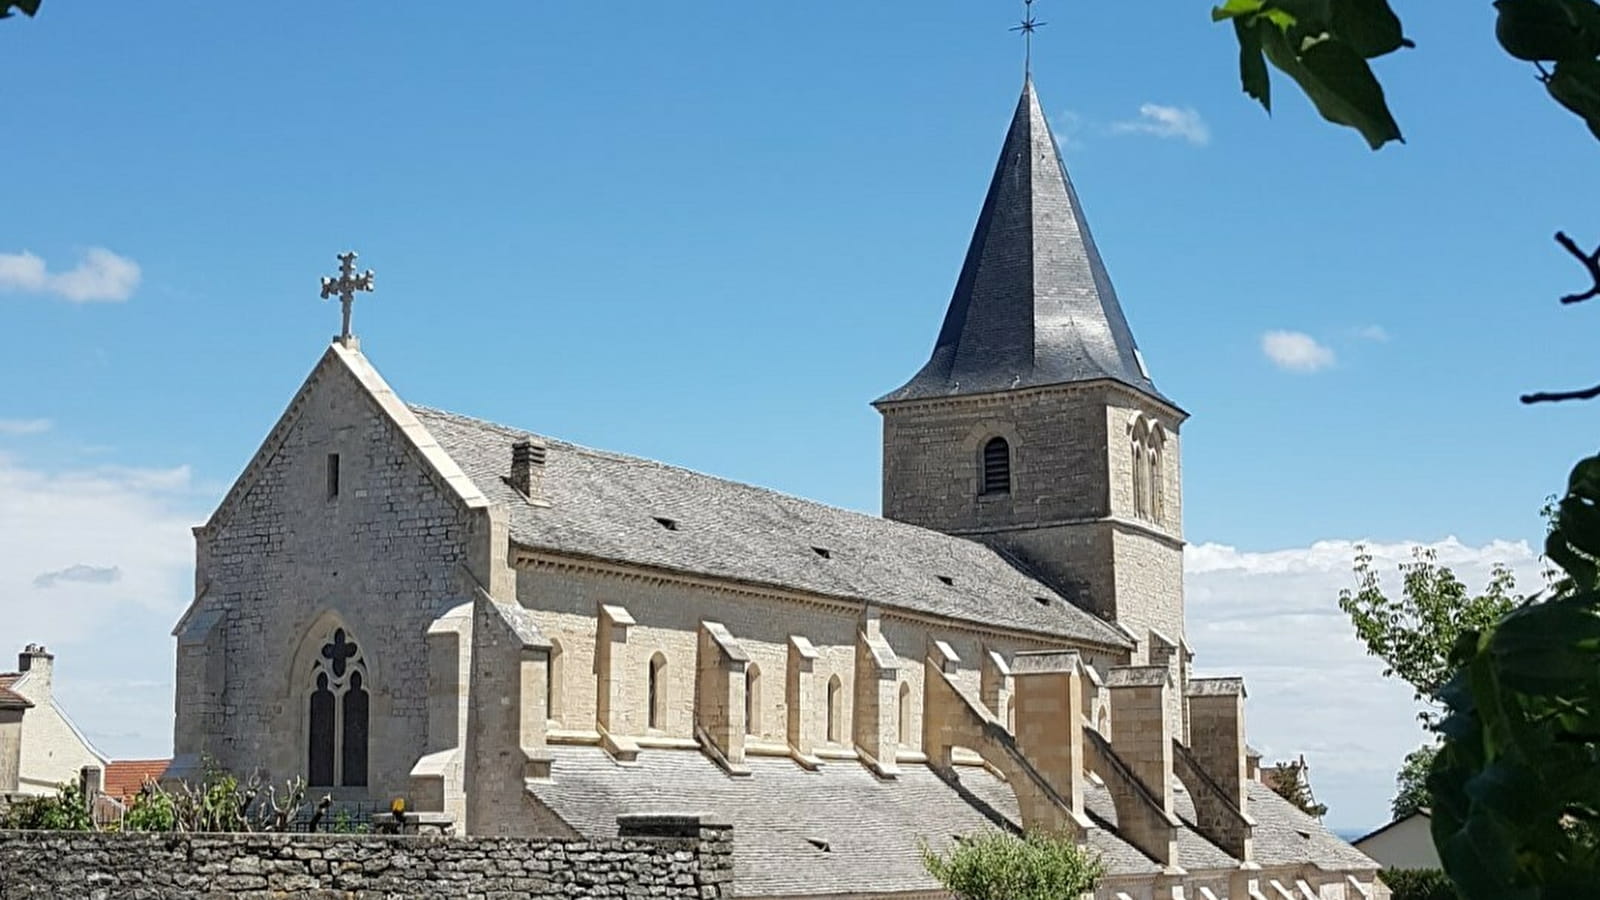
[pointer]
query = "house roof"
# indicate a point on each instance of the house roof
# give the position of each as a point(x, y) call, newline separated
point(10, 699)
point(1034, 303)
point(1422, 812)
point(610, 507)
point(843, 830)
point(125, 777)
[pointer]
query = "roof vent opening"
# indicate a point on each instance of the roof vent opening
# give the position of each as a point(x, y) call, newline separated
point(820, 844)
point(668, 524)
point(947, 580)
point(823, 552)
point(1042, 601)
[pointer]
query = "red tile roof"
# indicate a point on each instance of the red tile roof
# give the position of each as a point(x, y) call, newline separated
point(10, 699)
point(124, 777)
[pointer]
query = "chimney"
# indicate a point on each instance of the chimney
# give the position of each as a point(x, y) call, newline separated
point(39, 663)
point(1216, 722)
point(1141, 729)
point(527, 468)
point(1048, 693)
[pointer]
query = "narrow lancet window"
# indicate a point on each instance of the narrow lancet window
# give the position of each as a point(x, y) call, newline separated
point(319, 763)
point(354, 705)
point(904, 723)
point(752, 699)
point(656, 715)
point(552, 685)
point(333, 475)
point(835, 700)
point(996, 467)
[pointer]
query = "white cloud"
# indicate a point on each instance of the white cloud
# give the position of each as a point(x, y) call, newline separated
point(1274, 618)
point(1375, 333)
point(25, 426)
point(109, 620)
point(1161, 121)
point(99, 275)
point(1296, 351)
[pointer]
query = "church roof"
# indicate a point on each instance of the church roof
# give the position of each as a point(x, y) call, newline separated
point(610, 507)
point(844, 830)
point(1034, 304)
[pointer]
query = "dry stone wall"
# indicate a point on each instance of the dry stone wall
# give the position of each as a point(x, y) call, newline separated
point(664, 857)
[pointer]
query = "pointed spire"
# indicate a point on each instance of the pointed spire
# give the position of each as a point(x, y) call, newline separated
point(1034, 305)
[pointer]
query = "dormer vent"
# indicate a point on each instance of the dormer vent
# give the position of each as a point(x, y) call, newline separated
point(947, 580)
point(668, 524)
point(527, 468)
point(823, 552)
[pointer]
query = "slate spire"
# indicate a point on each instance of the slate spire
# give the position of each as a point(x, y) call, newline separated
point(1034, 304)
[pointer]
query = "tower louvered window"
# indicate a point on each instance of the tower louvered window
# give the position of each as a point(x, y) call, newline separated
point(996, 467)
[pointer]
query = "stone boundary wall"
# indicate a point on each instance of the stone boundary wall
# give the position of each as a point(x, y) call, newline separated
point(655, 856)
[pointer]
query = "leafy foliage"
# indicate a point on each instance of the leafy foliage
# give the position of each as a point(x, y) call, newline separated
point(996, 865)
point(1411, 784)
point(1418, 884)
point(1414, 634)
point(1516, 786)
point(9, 8)
point(1324, 45)
point(66, 810)
point(1288, 780)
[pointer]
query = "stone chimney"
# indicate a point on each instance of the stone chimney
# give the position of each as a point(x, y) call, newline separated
point(527, 468)
point(1048, 696)
point(1216, 721)
point(1141, 728)
point(38, 663)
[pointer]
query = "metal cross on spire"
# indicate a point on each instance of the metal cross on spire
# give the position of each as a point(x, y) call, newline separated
point(1028, 26)
point(345, 286)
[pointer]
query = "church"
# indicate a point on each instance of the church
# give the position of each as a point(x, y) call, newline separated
point(526, 636)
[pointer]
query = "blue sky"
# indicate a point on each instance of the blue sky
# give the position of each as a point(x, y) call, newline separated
point(712, 234)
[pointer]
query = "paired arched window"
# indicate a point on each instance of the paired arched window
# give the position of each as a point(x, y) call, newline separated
point(553, 684)
point(656, 712)
point(752, 699)
point(338, 711)
point(1147, 441)
point(996, 463)
point(835, 702)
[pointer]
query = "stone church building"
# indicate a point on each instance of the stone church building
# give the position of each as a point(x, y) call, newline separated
point(534, 637)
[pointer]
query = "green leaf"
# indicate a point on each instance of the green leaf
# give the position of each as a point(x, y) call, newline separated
point(1370, 27)
point(1235, 8)
point(1338, 81)
point(1539, 30)
point(1252, 65)
point(1575, 84)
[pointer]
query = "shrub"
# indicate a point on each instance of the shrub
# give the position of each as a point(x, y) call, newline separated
point(1419, 884)
point(995, 865)
point(65, 811)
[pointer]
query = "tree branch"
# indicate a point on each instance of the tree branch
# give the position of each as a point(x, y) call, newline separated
point(1559, 396)
point(1590, 263)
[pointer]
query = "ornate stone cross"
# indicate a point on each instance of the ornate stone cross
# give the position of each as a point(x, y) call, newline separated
point(346, 286)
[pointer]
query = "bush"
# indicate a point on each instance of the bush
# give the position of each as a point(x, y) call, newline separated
point(1419, 884)
point(995, 865)
point(66, 811)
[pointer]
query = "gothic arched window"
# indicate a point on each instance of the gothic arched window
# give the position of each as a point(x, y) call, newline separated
point(1140, 468)
point(996, 467)
point(1158, 440)
point(904, 721)
point(656, 689)
point(338, 715)
point(835, 700)
point(752, 699)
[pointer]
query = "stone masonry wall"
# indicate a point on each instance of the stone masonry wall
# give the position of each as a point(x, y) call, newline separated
point(683, 859)
point(288, 562)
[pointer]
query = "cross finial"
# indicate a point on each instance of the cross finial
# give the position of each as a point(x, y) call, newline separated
point(345, 286)
point(1028, 26)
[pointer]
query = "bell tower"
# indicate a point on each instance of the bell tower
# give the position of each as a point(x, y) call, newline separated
point(1034, 427)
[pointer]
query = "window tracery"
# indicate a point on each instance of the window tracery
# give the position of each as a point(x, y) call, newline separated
point(338, 711)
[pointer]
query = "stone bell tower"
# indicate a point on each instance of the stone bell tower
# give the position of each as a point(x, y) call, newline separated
point(1034, 427)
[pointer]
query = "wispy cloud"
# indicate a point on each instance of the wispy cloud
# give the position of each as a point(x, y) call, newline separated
point(1183, 123)
point(1296, 351)
point(1274, 618)
point(1375, 333)
point(25, 426)
point(99, 276)
point(79, 573)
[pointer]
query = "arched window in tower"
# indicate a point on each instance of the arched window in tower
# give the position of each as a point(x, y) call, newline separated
point(1139, 469)
point(996, 467)
point(553, 685)
point(752, 699)
point(835, 699)
point(338, 714)
point(904, 720)
point(1158, 440)
point(656, 713)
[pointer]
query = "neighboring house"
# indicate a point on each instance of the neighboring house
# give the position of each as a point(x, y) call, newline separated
point(1405, 843)
point(534, 637)
point(124, 778)
point(12, 708)
point(51, 749)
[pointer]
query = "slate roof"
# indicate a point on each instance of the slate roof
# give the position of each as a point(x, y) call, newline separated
point(870, 826)
point(10, 699)
point(1034, 304)
point(606, 506)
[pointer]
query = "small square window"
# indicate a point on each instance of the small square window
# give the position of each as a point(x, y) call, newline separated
point(333, 475)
